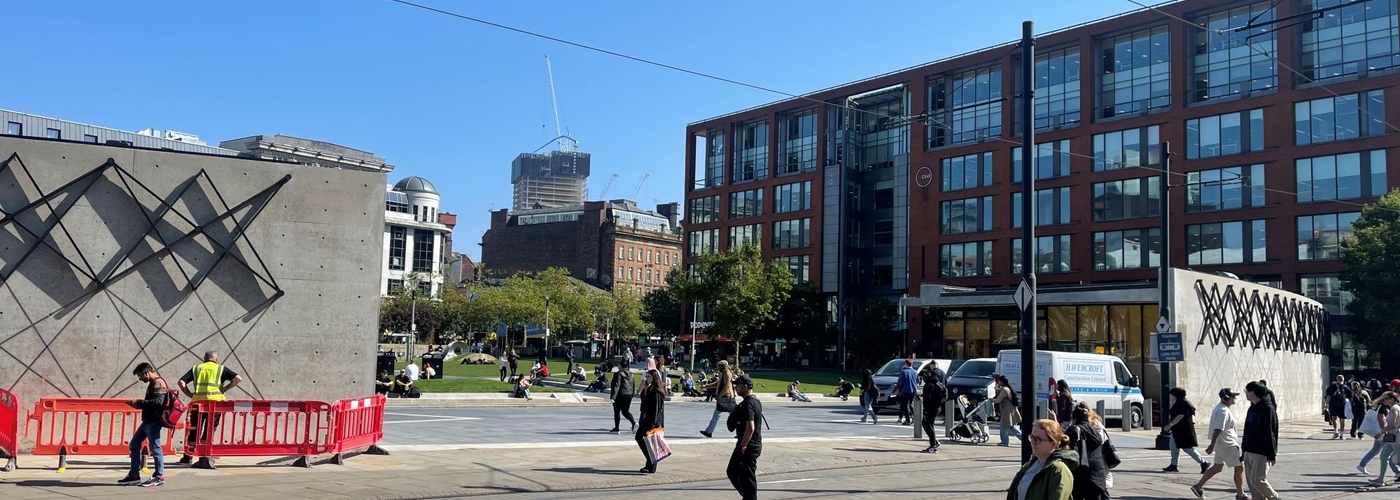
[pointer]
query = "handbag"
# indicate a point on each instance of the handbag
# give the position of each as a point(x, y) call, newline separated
point(1110, 453)
point(1371, 426)
point(1347, 412)
point(1390, 438)
point(656, 444)
point(726, 404)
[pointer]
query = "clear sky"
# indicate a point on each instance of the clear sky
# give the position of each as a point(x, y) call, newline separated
point(455, 101)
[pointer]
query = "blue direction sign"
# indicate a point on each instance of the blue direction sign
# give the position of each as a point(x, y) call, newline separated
point(1170, 348)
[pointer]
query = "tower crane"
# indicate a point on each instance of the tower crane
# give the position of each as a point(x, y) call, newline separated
point(639, 186)
point(604, 191)
point(554, 101)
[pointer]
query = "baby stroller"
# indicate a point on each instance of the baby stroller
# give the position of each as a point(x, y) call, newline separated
point(973, 425)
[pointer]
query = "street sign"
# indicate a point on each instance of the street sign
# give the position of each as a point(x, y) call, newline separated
point(1163, 325)
point(700, 325)
point(1169, 347)
point(1024, 295)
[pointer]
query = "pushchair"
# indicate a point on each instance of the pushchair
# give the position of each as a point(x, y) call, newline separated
point(973, 425)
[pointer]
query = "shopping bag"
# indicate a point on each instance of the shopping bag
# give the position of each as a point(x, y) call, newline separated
point(656, 444)
point(1348, 413)
point(1370, 426)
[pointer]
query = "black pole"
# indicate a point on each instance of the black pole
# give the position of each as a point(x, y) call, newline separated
point(1164, 284)
point(1025, 294)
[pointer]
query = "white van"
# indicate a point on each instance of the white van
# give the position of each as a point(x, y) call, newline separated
point(1091, 377)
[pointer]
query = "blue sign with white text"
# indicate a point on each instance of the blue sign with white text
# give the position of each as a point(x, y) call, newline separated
point(1170, 348)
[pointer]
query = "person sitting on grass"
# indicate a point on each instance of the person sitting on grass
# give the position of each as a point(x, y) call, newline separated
point(522, 387)
point(384, 383)
point(795, 392)
point(688, 385)
point(577, 375)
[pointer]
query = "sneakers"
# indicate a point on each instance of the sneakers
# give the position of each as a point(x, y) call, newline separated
point(615, 430)
point(1196, 490)
point(931, 449)
point(1362, 470)
point(154, 481)
point(706, 434)
point(1337, 435)
point(1170, 468)
point(1375, 483)
point(130, 480)
point(1241, 496)
point(1205, 466)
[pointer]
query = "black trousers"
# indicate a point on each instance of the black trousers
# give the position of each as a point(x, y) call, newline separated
point(743, 473)
point(931, 412)
point(641, 438)
point(503, 374)
point(622, 407)
point(905, 402)
point(1087, 489)
point(202, 427)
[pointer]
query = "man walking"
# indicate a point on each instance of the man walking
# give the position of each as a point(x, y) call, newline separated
point(1224, 446)
point(745, 421)
point(935, 393)
point(623, 388)
point(1260, 443)
point(908, 390)
point(207, 381)
point(149, 432)
point(1336, 398)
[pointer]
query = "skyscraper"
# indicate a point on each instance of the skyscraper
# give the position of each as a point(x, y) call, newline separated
point(553, 179)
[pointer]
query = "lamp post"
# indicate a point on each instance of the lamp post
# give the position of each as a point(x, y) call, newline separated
point(546, 323)
point(413, 318)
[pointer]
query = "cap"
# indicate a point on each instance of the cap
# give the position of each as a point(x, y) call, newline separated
point(1395, 382)
point(1227, 393)
point(743, 380)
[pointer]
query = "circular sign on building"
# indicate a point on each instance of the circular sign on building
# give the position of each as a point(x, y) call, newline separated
point(924, 177)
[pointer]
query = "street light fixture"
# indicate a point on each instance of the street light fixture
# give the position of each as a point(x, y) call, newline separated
point(546, 323)
point(413, 281)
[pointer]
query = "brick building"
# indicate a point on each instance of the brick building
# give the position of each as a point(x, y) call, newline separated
point(599, 242)
point(889, 185)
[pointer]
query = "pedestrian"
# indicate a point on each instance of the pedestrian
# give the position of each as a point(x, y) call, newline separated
point(908, 388)
point(623, 388)
point(745, 421)
point(723, 389)
point(1087, 438)
point(1360, 403)
point(1224, 446)
point(844, 389)
point(514, 361)
point(1064, 404)
point(653, 416)
point(627, 357)
point(1005, 400)
point(569, 356)
point(1336, 398)
point(1048, 475)
point(1182, 429)
point(412, 370)
point(665, 375)
point(935, 393)
point(869, 393)
point(148, 433)
point(210, 380)
point(1260, 441)
point(502, 361)
point(1389, 435)
point(1376, 427)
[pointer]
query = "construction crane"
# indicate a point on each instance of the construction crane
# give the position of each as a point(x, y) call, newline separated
point(604, 191)
point(563, 138)
point(639, 186)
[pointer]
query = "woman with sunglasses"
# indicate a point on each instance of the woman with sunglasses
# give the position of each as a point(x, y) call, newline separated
point(1048, 476)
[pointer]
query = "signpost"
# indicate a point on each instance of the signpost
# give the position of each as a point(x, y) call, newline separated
point(695, 328)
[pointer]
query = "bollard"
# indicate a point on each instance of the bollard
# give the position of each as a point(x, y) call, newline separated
point(950, 412)
point(1127, 416)
point(1147, 414)
point(1043, 411)
point(917, 409)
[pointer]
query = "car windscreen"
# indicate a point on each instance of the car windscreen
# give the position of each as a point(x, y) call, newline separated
point(976, 369)
point(892, 368)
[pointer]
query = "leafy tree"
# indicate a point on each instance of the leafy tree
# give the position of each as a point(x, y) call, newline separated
point(871, 334)
point(661, 310)
point(1371, 272)
point(620, 312)
point(742, 289)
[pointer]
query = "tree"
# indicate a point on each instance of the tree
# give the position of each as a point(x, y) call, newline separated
point(620, 312)
point(1371, 272)
point(661, 310)
point(742, 290)
point(871, 335)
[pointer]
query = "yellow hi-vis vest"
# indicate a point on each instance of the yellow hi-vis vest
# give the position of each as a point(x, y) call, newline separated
point(208, 377)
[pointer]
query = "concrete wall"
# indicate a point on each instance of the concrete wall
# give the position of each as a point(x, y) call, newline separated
point(1236, 332)
point(78, 313)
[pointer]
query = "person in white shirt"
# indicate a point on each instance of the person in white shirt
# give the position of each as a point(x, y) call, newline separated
point(1225, 445)
point(429, 372)
point(412, 370)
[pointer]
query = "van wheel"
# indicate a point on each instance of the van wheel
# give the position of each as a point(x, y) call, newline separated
point(1137, 416)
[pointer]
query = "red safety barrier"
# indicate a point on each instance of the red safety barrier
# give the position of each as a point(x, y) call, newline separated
point(262, 428)
point(358, 423)
point(9, 429)
point(86, 426)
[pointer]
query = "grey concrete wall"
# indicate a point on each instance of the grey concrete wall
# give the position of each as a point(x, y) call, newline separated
point(89, 291)
point(1236, 332)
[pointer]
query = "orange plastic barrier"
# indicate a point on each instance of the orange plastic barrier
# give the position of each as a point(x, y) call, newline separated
point(9, 429)
point(263, 428)
point(86, 426)
point(359, 423)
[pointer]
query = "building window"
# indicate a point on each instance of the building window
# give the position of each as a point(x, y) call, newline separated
point(53, 133)
point(1356, 39)
point(969, 215)
point(1127, 199)
point(90, 138)
point(1225, 189)
point(1339, 118)
point(621, 273)
point(394, 286)
point(1126, 148)
point(1229, 62)
point(621, 253)
point(1056, 89)
point(751, 234)
point(1128, 249)
point(1327, 290)
point(1051, 255)
point(882, 275)
point(397, 237)
point(1239, 242)
point(799, 141)
point(632, 274)
point(1227, 134)
point(883, 232)
point(1320, 237)
point(1051, 207)
point(960, 260)
point(704, 209)
point(632, 253)
point(967, 172)
point(667, 257)
point(423, 250)
point(751, 152)
point(396, 202)
point(793, 197)
point(14, 128)
point(704, 242)
point(800, 267)
point(884, 194)
point(1136, 73)
point(746, 204)
point(1051, 161)
point(794, 233)
point(714, 159)
point(648, 274)
point(965, 107)
point(1341, 177)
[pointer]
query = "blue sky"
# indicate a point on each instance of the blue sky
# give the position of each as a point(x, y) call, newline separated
point(456, 101)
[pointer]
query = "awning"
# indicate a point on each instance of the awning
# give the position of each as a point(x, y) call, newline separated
point(703, 337)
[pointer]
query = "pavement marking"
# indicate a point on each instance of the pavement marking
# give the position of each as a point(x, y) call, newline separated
point(628, 442)
point(790, 481)
point(429, 420)
point(1136, 459)
point(430, 416)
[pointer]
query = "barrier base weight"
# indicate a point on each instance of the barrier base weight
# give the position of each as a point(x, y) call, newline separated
point(303, 462)
point(10, 465)
point(374, 449)
point(204, 463)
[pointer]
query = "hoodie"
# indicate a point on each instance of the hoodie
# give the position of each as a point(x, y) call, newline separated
point(1055, 481)
point(1261, 429)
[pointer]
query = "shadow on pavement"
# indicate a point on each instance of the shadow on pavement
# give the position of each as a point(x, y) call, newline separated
point(873, 450)
point(590, 470)
point(49, 483)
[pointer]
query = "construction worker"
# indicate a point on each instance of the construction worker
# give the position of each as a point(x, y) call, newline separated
point(207, 381)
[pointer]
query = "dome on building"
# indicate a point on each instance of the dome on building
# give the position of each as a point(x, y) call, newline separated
point(415, 184)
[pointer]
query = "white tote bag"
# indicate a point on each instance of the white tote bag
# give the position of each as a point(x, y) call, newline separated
point(1347, 413)
point(1371, 425)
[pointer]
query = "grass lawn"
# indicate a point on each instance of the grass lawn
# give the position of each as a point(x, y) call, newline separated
point(475, 385)
point(454, 368)
point(814, 382)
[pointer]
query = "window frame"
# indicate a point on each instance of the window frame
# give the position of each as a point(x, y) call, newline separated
point(1060, 199)
point(983, 261)
point(1244, 231)
point(1151, 238)
point(984, 210)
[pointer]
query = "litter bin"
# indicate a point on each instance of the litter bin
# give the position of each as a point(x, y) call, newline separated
point(433, 359)
point(385, 363)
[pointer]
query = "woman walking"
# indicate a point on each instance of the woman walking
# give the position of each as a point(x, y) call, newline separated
point(723, 389)
point(1360, 402)
point(1379, 421)
point(869, 392)
point(1389, 436)
point(1064, 404)
point(623, 388)
point(1087, 438)
point(1005, 400)
point(1260, 442)
point(1182, 429)
point(1048, 475)
point(653, 415)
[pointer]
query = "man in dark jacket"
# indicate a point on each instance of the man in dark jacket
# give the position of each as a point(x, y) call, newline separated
point(1260, 441)
point(935, 393)
point(623, 388)
point(746, 421)
point(150, 430)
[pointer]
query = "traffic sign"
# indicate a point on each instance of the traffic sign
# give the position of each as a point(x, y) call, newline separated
point(1169, 347)
point(1163, 325)
point(1024, 295)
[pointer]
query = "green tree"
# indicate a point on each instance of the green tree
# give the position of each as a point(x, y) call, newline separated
point(871, 334)
point(619, 312)
point(661, 310)
point(1371, 272)
point(742, 289)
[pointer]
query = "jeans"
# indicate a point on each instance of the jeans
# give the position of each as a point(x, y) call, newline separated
point(1176, 453)
point(867, 407)
point(1388, 453)
point(147, 433)
point(1375, 450)
point(714, 420)
point(1008, 430)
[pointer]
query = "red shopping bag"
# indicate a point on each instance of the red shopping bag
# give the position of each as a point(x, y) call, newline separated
point(656, 444)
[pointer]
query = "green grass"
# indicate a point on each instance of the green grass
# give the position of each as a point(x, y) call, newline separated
point(475, 385)
point(814, 382)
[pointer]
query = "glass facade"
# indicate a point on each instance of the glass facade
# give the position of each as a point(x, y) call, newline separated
point(1238, 242)
point(798, 140)
point(704, 242)
point(1227, 134)
point(1051, 207)
point(1128, 249)
point(1360, 37)
point(969, 215)
point(1136, 73)
point(1118, 330)
point(751, 234)
point(423, 245)
point(958, 260)
point(1338, 118)
point(1320, 237)
point(1052, 254)
point(1224, 62)
point(967, 172)
point(1051, 160)
point(1326, 289)
point(800, 266)
point(1056, 89)
point(704, 209)
point(714, 159)
point(965, 107)
point(794, 233)
point(1341, 177)
point(1127, 199)
point(398, 236)
point(1135, 147)
point(1225, 189)
point(747, 203)
point(750, 152)
point(792, 197)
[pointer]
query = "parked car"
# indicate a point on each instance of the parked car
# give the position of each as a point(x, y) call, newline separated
point(888, 376)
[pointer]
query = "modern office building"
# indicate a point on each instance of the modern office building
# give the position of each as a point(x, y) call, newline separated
point(307, 152)
point(908, 182)
point(603, 243)
point(415, 236)
point(550, 180)
point(27, 125)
